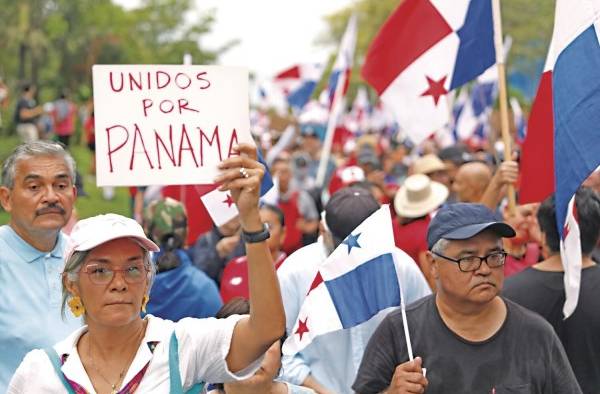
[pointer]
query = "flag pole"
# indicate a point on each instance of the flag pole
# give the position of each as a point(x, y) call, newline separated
point(336, 106)
point(503, 97)
point(404, 319)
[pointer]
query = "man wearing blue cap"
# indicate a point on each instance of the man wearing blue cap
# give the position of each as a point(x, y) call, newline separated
point(467, 337)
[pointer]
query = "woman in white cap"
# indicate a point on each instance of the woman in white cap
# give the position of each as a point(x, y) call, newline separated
point(107, 278)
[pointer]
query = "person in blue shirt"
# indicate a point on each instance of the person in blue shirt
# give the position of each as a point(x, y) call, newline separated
point(329, 364)
point(180, 289)
point(38, 193)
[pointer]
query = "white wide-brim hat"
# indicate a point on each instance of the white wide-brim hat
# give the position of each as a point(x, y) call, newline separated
point(94, 231)
point(419, 196)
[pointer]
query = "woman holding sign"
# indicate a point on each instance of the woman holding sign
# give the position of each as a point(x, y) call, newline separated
point(107, 279)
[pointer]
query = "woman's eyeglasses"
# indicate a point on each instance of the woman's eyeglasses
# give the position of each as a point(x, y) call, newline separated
point(101, 274)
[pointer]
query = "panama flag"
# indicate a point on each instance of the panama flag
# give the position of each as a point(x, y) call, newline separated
point(343, 62)
point(563, 129)
point(425, 49)
point(298, 83)
point(353, 284)
point(220, 204)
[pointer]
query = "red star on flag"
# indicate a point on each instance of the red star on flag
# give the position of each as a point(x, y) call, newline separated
point(228, 201)
point(302, 327)
point(436, 89)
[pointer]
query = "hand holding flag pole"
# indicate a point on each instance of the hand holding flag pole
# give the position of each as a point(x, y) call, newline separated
point(503, 96)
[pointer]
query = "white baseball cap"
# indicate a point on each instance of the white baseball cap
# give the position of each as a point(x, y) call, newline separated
point(91, 232)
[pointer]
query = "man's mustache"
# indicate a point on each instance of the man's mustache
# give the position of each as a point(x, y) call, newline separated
point(53, 208)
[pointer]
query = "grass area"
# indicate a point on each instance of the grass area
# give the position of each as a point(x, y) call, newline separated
point(87, 206)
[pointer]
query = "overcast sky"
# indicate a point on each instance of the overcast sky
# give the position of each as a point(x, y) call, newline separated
point(273, 34)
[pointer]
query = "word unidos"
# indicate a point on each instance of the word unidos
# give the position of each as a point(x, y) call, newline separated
point(169, 147)
point(151, 80)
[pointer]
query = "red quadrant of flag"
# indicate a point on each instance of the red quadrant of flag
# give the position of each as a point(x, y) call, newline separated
point(397, 46)
point(537, 160)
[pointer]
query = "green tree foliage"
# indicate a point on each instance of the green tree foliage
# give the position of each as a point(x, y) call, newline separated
point(528, 22)
point(54, 43)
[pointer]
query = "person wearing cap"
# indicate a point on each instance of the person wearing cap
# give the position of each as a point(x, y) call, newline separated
point(434, 168)
point(541, 288)
point(467, 337)
point(453, 157)
point(418, 198)
point(180, 289)
point(368, 160)
point(38, 193)
point(329, 364)
point(107, 278)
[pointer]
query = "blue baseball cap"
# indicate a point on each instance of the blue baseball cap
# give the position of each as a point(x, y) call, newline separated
point(462, 221)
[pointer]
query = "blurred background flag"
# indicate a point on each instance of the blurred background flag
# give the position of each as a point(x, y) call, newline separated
point(343, 62)
point(298, 82)
point(309, 77)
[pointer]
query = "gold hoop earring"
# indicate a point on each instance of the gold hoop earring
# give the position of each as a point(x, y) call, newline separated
point(76, 306)
point(145, 302)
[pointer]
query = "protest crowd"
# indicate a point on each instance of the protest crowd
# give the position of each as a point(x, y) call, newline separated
point(381, 245)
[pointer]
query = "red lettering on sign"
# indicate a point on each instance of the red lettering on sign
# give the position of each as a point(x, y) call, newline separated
point(112, 85)
point(159, 140)
point(203, 137)
point(189, 146)
point(110, 150)
point(134, 152)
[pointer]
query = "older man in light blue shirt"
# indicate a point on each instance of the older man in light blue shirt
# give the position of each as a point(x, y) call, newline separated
point(37, 191)
point(330, 363)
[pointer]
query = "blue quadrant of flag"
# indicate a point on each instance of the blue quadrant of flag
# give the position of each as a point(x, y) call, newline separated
point(476, 52)
point(361, 293)
point(576, 117)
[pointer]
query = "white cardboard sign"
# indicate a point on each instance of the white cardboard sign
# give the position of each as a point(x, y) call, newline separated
point(167, 124)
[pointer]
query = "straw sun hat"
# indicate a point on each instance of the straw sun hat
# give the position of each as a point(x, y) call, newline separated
point(419, 196)
point(428, 164)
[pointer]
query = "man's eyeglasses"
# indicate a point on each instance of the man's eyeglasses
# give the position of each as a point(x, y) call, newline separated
point(472, 263)
point(100, 274)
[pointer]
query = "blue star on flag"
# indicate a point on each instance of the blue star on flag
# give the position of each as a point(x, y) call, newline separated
point(352, 241)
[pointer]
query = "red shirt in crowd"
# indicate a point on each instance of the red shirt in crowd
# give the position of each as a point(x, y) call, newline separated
point(234, 282)
point(412, 237)
point(291, 212)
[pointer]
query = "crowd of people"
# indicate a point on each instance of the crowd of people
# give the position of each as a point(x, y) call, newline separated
point(164, 301)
